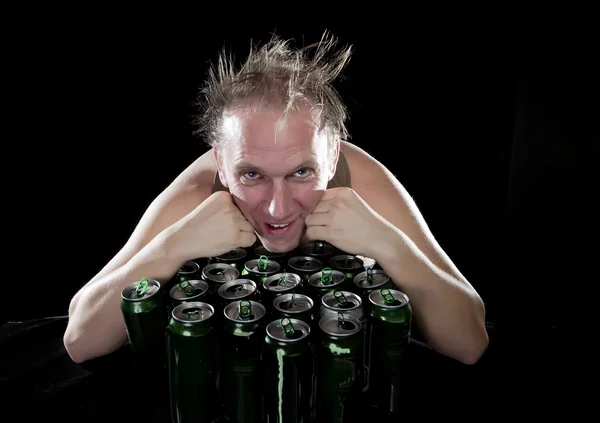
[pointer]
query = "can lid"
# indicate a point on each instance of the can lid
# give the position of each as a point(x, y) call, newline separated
point(261, 250)
point(371, 279)
point(193, 312)
point(326, 278)
point(346, 262)
point(245, 311)
point(281, 282)
point(262, 266)
point(317, 248)
point(305, 264)
point(293, 303)
point(188, 289)
point(388, 298)
point(340, 325)
point(341, 300)
point(142, 290)
point(237, 289)
point(188, 268)
point(220, 272)
point(288, 330)
point(233, 255)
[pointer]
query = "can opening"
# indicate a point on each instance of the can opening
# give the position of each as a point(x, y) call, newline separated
point(237, 289)
point(187, 268)
point(194, 313)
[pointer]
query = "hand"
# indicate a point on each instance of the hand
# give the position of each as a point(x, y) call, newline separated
point(346, 221)
point(213, 228)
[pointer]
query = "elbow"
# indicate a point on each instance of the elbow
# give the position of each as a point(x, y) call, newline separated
point(71, 341)
point(476, 348)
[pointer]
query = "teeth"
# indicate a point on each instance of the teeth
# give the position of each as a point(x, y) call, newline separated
point(279, 226)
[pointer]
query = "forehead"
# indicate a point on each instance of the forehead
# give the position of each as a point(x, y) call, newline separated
point(250, 130)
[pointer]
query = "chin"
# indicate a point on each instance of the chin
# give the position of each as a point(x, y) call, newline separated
point(279, 247)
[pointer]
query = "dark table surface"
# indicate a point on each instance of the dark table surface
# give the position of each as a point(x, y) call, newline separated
point(524, 371)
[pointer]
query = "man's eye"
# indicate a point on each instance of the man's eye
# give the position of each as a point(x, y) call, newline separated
point(302, 172)
point(251, 175)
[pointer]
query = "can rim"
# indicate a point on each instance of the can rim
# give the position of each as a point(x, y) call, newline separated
point(316, 275)
point(364, 275)
point(226, 285)
point(193, 282)
point(332, 260)
point(306, 258)
point(133, 286)
point(191, 263)
point(252, 303)
point(262, 272)
point(296, 279)
point(295, 322)
point(395, 292)
point(285, 297)
point(193, 304)
point(346, 294)
point(226, 266)
point(357, 325)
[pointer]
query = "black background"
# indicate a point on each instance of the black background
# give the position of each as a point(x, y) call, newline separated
point(491, 124)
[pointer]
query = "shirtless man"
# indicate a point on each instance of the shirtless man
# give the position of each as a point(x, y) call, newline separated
point(279, 157)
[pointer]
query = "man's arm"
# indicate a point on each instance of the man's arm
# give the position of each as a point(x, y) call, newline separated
point(96, 326)
point(447, 309)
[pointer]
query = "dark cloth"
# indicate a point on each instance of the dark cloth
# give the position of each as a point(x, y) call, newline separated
point(519, 371)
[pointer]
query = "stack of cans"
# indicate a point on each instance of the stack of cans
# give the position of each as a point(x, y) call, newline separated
point(252, 336)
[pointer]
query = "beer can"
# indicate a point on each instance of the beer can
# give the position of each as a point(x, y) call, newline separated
point(289, 365)
point(373, 279)
point(339, 349)
point(216, 274)
point(348, 264)
point(191, 340)
point(320, 283)
point(278, 284)
point(186, 291)
point(304, 266)
point(320, 250)
point(260, 269)
point(242, 376)
point(144, 313)
point(294, 306)
point(236, 258)
point(390, 317)
point(190, 270)
point(237, 290)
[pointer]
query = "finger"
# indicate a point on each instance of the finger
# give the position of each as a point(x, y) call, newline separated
point(246, 226)
point(330, 194)
point(247, 239)
point(318, 219)
point(324, 206)
point(317, 233)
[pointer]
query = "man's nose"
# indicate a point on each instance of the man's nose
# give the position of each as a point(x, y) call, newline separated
point(280, 205)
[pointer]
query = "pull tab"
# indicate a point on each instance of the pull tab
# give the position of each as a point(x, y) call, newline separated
point(387, 296)
point(262, 262)
point(339, 296)
point(282, 279)
point(287, 328)
point(195, 313)
point(370, 275)
point(340, 322)
point(245, 308)
point(318, 248)
point(186, 286)
point(141, 287)
point(326, 279)
point(292, 300)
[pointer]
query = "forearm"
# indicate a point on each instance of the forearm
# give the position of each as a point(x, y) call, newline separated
point(96, 326)
point(448, 311)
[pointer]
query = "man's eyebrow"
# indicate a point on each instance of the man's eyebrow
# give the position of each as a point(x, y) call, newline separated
point(243, 167)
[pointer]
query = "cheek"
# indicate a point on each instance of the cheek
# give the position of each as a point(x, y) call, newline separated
point(247, 198)
point(308, 197)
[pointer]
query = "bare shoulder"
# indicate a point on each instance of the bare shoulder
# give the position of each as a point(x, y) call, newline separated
point(386, 195)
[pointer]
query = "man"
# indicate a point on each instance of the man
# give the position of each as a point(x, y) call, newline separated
point(280, 172)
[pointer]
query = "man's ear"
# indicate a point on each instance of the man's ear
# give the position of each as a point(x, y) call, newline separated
point(218, 161)
point(334, 156)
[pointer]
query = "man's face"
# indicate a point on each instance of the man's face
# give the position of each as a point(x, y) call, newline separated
point(276, 168)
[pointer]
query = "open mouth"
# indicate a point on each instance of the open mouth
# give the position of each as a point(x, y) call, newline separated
point(278, 228)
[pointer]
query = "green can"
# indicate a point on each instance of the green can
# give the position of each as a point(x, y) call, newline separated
point(144, 312)
point(305, 266)
point(390, 317)
point(187, 291)
point(371, 280)
point(348, 264)
point(242, 375)
point(216, 274)
point(236, 258)
point(278, 284)
point(339, 350)
point(294, 306)
point(320, 283)
point(289, 365)
point(190, 270)
point(260, 269)
point(191, 341)
point(237, 290)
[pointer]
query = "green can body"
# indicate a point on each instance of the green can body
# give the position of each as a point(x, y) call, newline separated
point(191, 340)
point(339, 349)
point(242, 375)
point(145, 315)
point(289, 365)
point(389, 338)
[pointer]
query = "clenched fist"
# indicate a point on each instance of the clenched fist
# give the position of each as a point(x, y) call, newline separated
point(213, 228)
